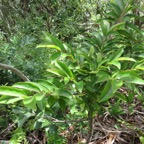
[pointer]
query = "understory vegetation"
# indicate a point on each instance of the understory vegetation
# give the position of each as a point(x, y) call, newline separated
point(72, 72)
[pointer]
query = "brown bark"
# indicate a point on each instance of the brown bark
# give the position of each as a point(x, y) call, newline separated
point(16, 71)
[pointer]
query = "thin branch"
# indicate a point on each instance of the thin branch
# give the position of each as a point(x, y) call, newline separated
point(64, 121)
point(90, 127)
point(16, 71)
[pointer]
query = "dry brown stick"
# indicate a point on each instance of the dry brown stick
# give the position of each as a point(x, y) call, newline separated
point(16, 71)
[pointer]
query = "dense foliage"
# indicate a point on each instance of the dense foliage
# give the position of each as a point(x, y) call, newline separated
point(85, 60)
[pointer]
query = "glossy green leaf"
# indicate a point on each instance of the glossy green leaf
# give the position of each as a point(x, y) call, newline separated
point(65, 69)
point(120, 3)
point(38, 96)
point(116, 8)
point(57, 72)
point(134, 80)
point(102, 76)
point(116, 54)
point(79, 86)
point(115, 63)
point(41, 105)
point(130, 76)
point(134, 27)
point(117, 26)
point(62, 92)
point(125, 33)
point(91, 51)
point(105, 26)
point(11, 91)
point(31, 86)
point(24, 119)
point(126, 73)
point(121, 96)
point(55, 56)
point(109, 90)
point(48, 85)
point(62, 104)
point(52, 100)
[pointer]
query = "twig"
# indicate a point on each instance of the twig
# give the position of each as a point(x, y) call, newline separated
point(16, 71)
point(36, 138)
point(90, 127)
point(64, 121)
point(7, 129)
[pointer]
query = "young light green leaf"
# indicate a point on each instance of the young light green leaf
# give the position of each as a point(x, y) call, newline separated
point(8, 99)
point(11, 91)
point(139, 67)
point(126, 59)
point(49, 46)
